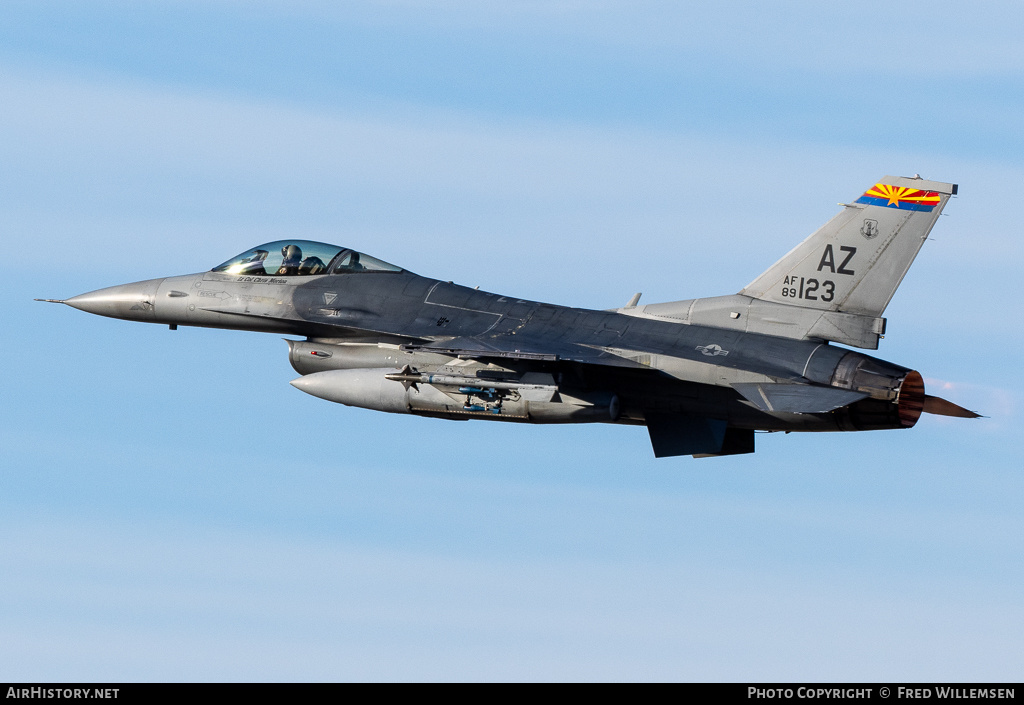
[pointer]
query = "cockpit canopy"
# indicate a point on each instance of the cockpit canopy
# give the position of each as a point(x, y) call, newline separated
point(302, 258)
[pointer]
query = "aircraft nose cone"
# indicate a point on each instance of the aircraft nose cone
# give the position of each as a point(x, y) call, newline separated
point(325, 385)
point(134, 302)
point(310, 384)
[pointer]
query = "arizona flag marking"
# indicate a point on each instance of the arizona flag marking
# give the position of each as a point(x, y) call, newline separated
point(901, 197)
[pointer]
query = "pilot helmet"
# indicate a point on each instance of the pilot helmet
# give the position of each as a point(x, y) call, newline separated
point(291, 253)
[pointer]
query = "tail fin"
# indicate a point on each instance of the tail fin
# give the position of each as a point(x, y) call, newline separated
point(854, 263)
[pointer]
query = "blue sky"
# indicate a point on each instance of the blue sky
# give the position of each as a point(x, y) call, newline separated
point(172, 509)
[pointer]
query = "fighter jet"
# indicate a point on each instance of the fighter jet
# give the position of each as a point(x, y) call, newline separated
point(703, 375)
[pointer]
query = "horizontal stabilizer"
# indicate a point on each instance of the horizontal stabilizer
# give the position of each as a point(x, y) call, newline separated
point(796, 398)
point(941, 407)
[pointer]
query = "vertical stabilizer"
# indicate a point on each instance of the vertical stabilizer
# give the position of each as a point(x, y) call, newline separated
point(855, 262)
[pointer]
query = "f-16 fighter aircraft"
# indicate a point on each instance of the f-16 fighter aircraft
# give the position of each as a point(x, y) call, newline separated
point(702, 374)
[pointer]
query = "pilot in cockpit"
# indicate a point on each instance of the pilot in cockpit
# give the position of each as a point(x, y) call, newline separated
point(312, 265)
point(292, 259)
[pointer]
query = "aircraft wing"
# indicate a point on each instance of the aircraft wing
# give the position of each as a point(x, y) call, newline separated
point(501, 348)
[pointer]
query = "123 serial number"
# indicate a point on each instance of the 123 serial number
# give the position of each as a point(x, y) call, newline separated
point(810, 289)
